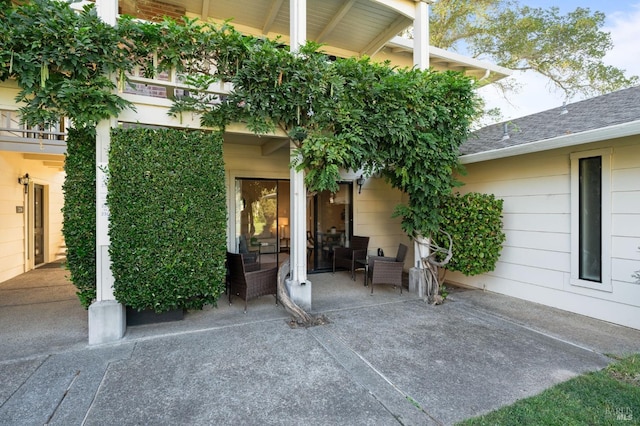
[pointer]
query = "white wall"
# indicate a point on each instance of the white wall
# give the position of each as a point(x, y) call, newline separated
point(536, 258)
point(13, 231)
point(373, 211)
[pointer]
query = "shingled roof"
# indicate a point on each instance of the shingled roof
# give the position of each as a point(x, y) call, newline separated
point(622, 106)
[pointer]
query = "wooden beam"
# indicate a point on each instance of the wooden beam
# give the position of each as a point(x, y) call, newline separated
point(54, 164)
point(335, 21)
point(273, 144)
point(44, 157)
point(391, 31)
point(271, 16)
point(205, 10)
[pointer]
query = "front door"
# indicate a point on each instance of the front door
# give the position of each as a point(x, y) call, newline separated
point(38, 224)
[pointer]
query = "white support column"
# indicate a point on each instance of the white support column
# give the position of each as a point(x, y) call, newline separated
point(421, 36)
point(297, 23)
point(107, 11)
point(107, 317)
point(420, 61)
point(299, 287)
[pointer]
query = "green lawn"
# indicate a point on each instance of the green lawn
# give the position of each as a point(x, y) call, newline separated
point(607, 397)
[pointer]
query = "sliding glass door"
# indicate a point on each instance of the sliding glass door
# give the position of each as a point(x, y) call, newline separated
point(262, 218)
point(330, 219)
point(262, 221)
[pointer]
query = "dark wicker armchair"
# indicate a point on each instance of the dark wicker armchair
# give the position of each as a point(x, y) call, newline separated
point(249, 257)
point(345, 257)
point(387, 270)
point(250, 285)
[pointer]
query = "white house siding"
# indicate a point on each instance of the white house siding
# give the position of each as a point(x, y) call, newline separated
point(373, 211)
point(8, 92)
point(13, 225)
point(536, 258)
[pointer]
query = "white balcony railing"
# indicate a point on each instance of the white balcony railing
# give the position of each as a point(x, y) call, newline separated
point(12, 131)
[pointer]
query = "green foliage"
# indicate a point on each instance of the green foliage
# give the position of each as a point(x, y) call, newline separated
point(167, 218)
point(79, 212)
point(61, 60)
point(191, 46)
point(568, 49)
point(474, 222)
point(606, 397)
point(355, 114)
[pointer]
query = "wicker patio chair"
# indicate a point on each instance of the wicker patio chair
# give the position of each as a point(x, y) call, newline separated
point(345, 257)
point(250, 285)
point(249, 257)
point(387, 270)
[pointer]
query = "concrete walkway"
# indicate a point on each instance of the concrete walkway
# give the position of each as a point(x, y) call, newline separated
point(382, 360)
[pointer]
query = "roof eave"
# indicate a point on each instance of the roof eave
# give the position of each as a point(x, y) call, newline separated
point(564, 141)
point(453, 59)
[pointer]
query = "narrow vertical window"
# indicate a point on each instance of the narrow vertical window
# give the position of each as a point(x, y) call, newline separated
point(590, 219)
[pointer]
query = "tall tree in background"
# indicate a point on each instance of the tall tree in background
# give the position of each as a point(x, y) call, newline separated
point(568, 49)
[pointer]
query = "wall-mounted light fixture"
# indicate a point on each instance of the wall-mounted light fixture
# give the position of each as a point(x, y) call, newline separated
point(360, 182)
point(24, 180)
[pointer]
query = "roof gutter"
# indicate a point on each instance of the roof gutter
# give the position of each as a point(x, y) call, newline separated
point(596, 135)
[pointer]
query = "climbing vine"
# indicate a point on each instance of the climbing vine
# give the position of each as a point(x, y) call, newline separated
point(405, 124)
point(61, 60)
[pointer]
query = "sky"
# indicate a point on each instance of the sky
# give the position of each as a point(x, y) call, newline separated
point(537, 94)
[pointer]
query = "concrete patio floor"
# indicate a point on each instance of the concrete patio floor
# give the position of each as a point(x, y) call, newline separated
point(383, 359)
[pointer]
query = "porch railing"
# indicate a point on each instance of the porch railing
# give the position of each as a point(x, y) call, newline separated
point(159, 90)
point(11, 130)
point(168, 85)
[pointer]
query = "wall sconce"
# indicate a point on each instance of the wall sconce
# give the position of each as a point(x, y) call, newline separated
point(360, 182)
point(24, 180)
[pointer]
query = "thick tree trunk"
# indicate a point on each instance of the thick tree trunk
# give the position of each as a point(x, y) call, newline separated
point(431, 265)
point(300, 316)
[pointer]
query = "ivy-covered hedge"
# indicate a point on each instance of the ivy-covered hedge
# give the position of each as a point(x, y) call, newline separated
point(167, 218)
point(474, 222)
point(79, 211)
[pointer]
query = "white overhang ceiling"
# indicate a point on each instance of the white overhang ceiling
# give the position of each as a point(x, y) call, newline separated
point(345, 27)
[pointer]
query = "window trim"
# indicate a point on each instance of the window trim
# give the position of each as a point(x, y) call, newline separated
point(606, 156)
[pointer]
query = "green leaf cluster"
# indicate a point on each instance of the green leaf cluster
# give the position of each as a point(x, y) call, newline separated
point(166, 195)
point(474, 222)
point(354, 113)
point(405, 124)
point(79, 211)
point(61, 60)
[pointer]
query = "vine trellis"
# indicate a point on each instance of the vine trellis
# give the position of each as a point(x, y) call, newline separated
point(403, 124)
